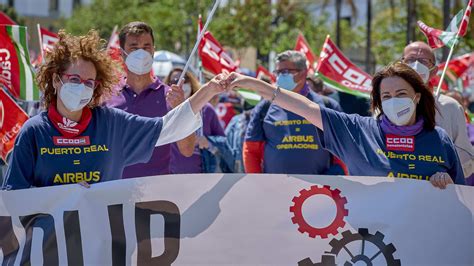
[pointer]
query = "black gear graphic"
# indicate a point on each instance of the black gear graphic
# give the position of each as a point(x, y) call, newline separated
point(326, 260)
point(364, 235)
point(348, 237)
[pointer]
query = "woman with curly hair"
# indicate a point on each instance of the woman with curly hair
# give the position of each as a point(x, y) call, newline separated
point(76, 140)
point(402, 142)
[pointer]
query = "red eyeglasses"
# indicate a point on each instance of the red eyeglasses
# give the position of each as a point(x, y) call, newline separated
point(76, 79)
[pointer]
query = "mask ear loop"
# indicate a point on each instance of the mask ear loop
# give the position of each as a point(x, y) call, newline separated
point(123, 50)
point(414, 100)
point(62, 83)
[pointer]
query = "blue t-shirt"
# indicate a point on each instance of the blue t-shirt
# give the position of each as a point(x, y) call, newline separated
point(113, 139)
point(368, 151)
point(331, 103)
point(291, 142)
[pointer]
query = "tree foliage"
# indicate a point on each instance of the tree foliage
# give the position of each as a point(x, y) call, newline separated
point(255, 23)
point(9, 11)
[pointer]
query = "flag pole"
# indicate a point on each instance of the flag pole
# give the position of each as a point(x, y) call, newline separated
point(198, 59)
point(111, 36)
point(446, 66)
point(40, 39)
point(198, 41)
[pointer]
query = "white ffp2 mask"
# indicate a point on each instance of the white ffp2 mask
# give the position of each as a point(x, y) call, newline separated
point(421, 69)
point(398, 110)
point(139, 62)
point(75, 96)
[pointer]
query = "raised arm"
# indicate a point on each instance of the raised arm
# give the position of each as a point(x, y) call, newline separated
point(288, 100)
point(185, 118)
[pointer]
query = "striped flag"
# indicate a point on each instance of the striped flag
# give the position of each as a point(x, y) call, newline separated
point(456, 28)
point(15, 68)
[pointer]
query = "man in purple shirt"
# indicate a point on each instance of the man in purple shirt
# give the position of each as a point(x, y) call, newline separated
point(142, 94)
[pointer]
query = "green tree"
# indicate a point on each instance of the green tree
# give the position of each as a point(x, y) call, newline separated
point(390, 27)
point(11, 12)
point(237, 24)
point(253, 24)
point(171, 20)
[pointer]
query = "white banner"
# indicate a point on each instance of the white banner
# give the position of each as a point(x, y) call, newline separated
point(240, 220)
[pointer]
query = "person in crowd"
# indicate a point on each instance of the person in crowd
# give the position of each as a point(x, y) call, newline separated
point(280, 141)
point(317, 85)
point(235, 134)
point(470, 127)
point(77, 140)
point(449, 113)
point(211, 127)
point(142, 94)
point(402, 142)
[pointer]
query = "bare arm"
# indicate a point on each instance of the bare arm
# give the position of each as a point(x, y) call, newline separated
point(207, 92)
point(186, 145)
point(175, 96)
point(183, 120)
point(288, 100)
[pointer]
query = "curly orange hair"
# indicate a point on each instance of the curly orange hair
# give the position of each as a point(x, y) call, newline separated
point(70, 48)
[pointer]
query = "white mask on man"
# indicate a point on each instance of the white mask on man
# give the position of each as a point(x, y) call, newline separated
point(139, 62)
point(421, 69)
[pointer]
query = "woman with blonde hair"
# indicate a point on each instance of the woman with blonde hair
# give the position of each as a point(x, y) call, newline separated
point(76, 140)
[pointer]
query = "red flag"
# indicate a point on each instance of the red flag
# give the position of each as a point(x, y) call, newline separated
point(469, 74)
point(339, 73)
point(465, 19)
point(48, 39)
point(457, 68)
point(12, 118)
point(432, 35)
point(303, 46)
point(213, 56)
point(114, 41)
point(15, 66)
point(263, 72)
point(457, 28)
point(6, 20)
point(458, 65)
point(113, 47)
point(434, 81)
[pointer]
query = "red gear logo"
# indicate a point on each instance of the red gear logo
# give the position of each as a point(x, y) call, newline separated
point(338, 222)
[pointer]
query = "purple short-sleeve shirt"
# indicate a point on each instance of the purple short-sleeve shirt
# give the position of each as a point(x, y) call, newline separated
point(151, 102)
